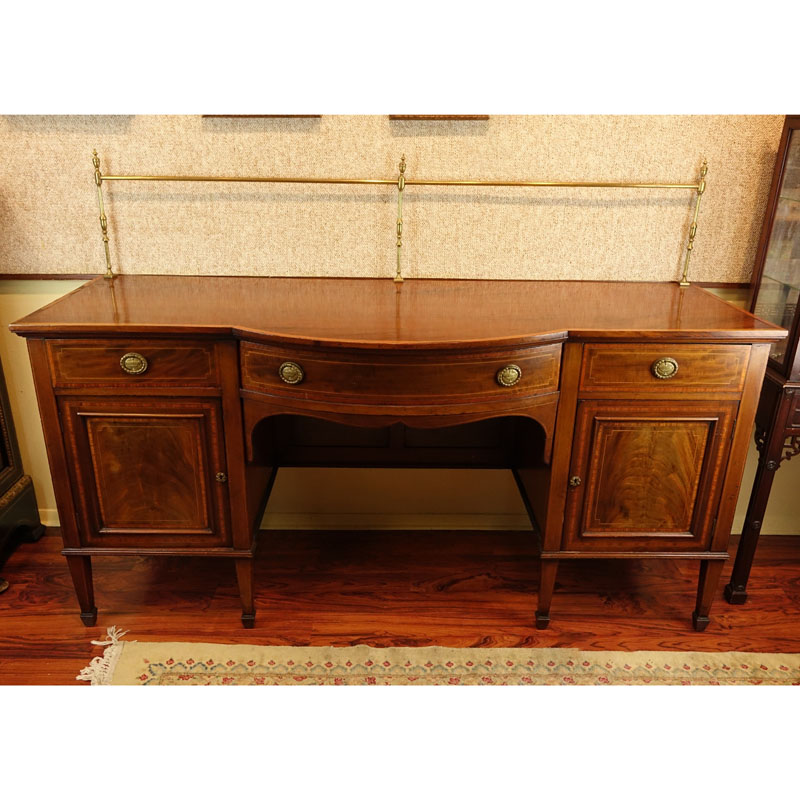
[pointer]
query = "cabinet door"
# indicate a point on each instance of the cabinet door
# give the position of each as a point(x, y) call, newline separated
point(646, 476)
point(144, 472)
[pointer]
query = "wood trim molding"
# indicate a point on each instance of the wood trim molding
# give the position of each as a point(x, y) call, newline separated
point(439, 117)
point(87, 276)
point(721, 285)
point(48, 276)
point(261, 116)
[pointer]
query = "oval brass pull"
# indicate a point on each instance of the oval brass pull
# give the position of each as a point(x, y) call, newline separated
point(574, 481)
point(133, 363)
point(221, 477)
point(289, 372)
point(508, 375)
point(664, 368)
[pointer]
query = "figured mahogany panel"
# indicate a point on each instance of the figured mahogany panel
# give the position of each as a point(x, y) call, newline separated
point(612, 368)
point(144, 473)
point(165, 488)
point(645, 475)
point(649, 474)
point(97, 362)
point(429, 378)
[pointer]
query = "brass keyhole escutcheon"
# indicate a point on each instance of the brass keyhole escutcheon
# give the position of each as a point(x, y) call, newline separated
point(509, 375)
point(221, 477)
point(289, 372)
point(133, 363)
point(664, 368)
point(574, 481)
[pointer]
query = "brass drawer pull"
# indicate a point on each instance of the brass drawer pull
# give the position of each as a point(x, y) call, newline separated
point(509, 375)
point(664, 368)
point(289, 372)
point(133, 363)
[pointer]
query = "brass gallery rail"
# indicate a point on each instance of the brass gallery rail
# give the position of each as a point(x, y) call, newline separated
point(401, 182)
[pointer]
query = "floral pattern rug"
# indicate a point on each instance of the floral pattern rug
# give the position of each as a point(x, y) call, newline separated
point(131, 663)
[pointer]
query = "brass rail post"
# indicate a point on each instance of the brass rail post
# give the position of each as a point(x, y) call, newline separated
point(701, 187)
point(401, 184)
point(98, 179)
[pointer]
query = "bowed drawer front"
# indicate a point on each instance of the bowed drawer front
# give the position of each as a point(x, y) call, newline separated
point(386, 377)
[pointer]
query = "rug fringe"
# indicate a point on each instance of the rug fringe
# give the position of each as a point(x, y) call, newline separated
point(101, 668)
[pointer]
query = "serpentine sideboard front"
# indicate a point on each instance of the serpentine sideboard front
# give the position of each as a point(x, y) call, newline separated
point(168, 403)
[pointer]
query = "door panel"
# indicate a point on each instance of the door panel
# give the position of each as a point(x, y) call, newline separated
point(144, 472)
point(650, 475)
point(167, 490)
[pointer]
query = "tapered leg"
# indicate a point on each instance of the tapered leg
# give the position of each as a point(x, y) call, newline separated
point(772, 420)
point(244, 574)
point(710, 572)
point(736, 590)
point(80, 567)
point(547, 582)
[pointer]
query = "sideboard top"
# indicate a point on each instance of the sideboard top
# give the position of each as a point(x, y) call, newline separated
point(371, 312)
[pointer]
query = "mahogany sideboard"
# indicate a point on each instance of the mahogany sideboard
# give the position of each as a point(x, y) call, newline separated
point(168, 404)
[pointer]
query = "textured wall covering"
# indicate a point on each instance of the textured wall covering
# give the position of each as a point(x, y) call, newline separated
point(48, 212)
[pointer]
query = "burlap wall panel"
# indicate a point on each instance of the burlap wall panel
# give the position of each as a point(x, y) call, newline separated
point(48, 205)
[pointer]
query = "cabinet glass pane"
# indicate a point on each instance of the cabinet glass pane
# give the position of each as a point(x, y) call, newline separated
point(777, 302)
point(780, 284)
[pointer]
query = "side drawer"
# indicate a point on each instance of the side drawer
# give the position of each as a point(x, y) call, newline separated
point(633, 368)
point(132, 363)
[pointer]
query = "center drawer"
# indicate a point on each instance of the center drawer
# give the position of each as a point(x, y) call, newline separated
point(398, 377)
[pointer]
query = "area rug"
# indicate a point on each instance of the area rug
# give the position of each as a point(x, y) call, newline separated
point(132, 663)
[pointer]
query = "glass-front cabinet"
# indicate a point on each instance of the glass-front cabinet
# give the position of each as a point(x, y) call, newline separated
point(776, 276)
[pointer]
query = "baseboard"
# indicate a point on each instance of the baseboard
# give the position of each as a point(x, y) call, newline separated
point(379, 522)
point(49, 517)
point(787, 525)
point(405, 522)
point(775, 524)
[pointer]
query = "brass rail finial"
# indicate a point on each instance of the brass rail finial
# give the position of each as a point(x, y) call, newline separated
point(98, 179)
point(401, 184)
point(701, 187)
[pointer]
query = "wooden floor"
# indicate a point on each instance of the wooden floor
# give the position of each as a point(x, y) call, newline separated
point(387, 588)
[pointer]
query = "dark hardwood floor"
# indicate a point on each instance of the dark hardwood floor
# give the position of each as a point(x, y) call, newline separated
point(387, 588)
